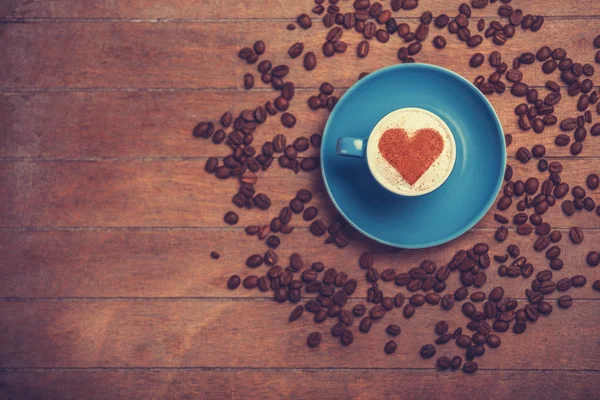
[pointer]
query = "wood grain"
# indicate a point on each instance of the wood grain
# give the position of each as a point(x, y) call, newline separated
point(227, 9)
point(107, 217)
point(296, 384)
point(158, 124)
point(108, 264)
point(257, 334)
point(180, 194)
point(192, 55)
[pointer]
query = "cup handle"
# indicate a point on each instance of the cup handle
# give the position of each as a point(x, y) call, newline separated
point(351, 147)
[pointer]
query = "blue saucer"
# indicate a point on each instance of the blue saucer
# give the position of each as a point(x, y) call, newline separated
point(451, 210)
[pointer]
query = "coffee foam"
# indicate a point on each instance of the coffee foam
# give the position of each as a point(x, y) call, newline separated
point(411, 120)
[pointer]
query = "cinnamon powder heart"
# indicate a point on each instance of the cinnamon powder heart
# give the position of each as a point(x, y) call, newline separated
point(411, 156)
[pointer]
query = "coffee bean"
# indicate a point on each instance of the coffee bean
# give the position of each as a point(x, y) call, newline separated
point(443, 339)
point(346, 317)
point(535, 219)
point(500, 219)
point(443, 363)
point(580, 134)
point(408, 311)
point(562, 140)
point(314, 339)
point(519, 89)
point(576, 148)
point(245, 52)
point(439, 42)
point(363, 49)
point(527, 270)
point(568, 124)
point(596, 285)
point(211, 165)
point(578, 281)
point(250, 282)
point(508, 172)
point(524, 122)
point(377, 312)
point(476, 60)
point(390, 347)
point(501, 234)
point(500, 326)
point(304, 21)
point(499, 38)
point(544, 308)
point(417, 300)
point(427, 351)
point(320, 316)
point(233, 282)
point(576, 235)
point(578, 192)
point(441, 327)
point(231, 218)
point(463, 341)
point(513, 250)
point(514, 75)
point(541, 243)
point(496, 295)
point(478, 297)
point(365, 325)
point(288, 120)
point(318, 228)
point(504, 203)
point(563, 284)
point(442, 20)
point(544, 276)
point(296, 50)
point(568, 207)
point(414, 48)
point(565, 301)
point(422, 32)
point(531, 185)
point(204, 130)
point(460, 294)
point(474, 41)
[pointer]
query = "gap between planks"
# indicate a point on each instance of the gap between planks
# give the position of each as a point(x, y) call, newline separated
point(184, 228)
point(190, 89)
point(23, 20)
point(194, 298)
point(282, 369)
point(204, 158)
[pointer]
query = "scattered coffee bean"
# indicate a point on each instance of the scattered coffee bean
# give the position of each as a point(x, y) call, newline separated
point(428, 351)
point(592, 181)
point(231, 218)
point(593, 258)
point(390, 347)
point(576, 235)
point(476, 60)
point(363, 49)
point(578, 281)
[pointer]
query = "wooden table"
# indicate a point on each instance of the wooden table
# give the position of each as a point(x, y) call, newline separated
point(108, 218)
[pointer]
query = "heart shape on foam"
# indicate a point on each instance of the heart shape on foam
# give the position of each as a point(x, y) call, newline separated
point(411, 156)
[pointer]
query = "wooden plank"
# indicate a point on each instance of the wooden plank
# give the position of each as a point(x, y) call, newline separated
point(257, 334)
point(158, 124)
point(248, 9)
point(297, 384)
point(204, 54)
point(177, 263)
point(179, 193)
